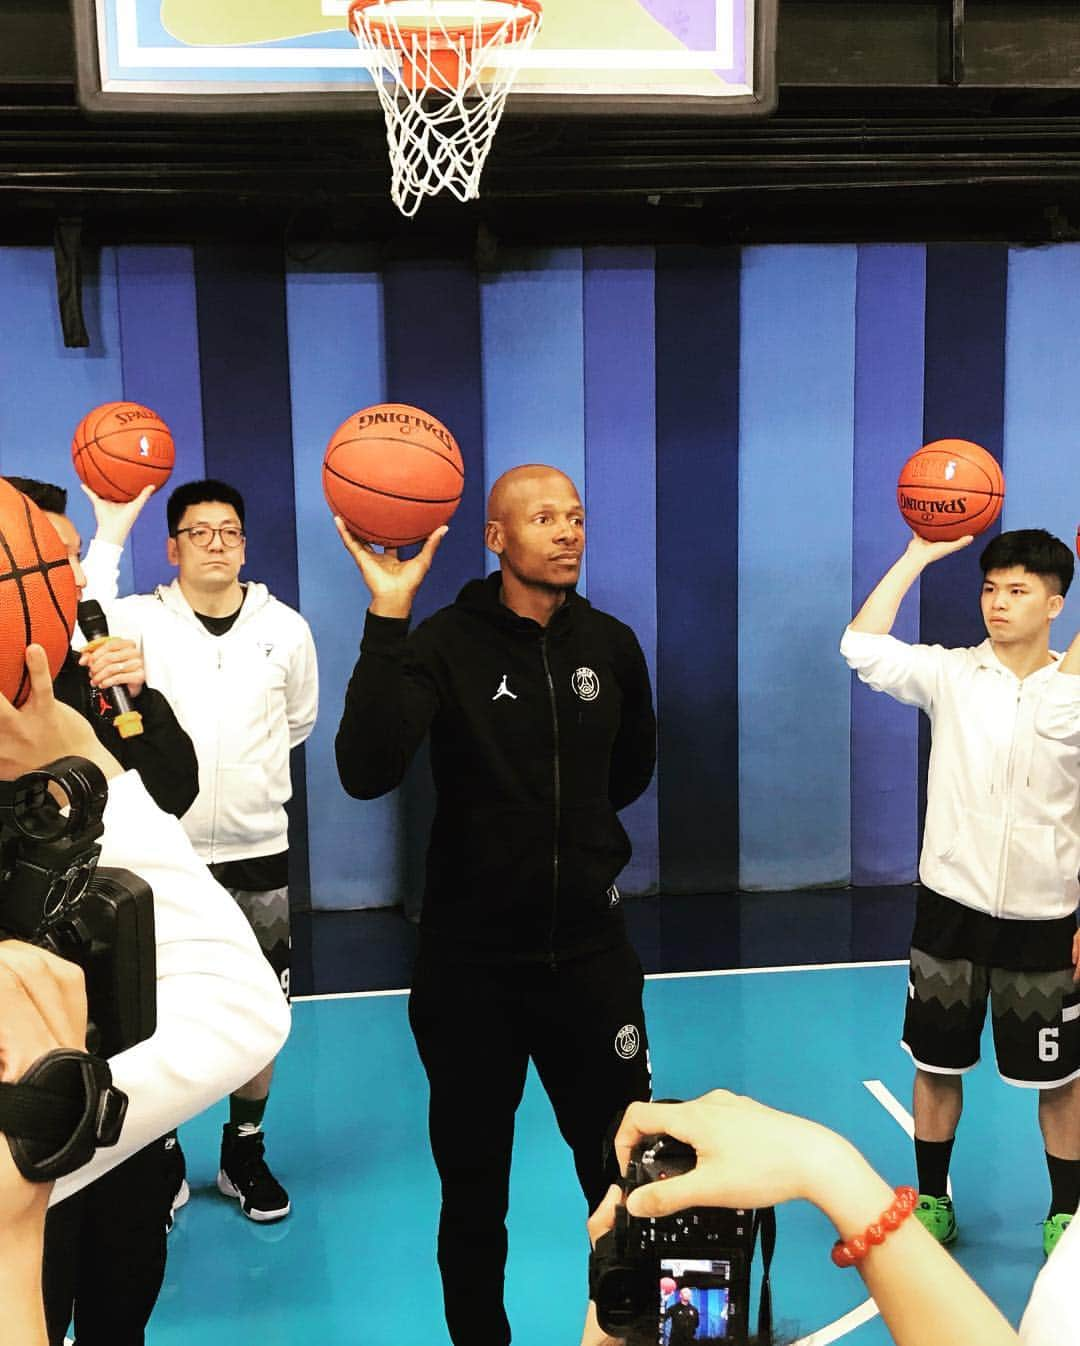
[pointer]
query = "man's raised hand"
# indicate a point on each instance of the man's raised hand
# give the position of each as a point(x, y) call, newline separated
point(115, 519)
point(392, 583)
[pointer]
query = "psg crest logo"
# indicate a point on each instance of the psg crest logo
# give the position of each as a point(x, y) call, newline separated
point(586, 684)
point(627, 1042)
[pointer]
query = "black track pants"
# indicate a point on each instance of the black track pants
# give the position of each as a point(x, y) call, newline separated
point(476, 1028)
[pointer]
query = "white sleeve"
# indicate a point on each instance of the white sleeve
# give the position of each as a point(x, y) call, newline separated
point(126, 616)
point(909, 673)
point(1050, 1317)
point(302, 689)
point(221, 1016)
point(1058, 713)
point(101, 566)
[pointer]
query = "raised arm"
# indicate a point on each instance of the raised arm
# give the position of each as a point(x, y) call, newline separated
point(391, 698)
point(1057, 715)
point(878, 613)
point(102, 561)
point(1071, 662)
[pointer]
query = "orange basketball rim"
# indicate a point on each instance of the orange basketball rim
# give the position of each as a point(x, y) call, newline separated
point(442, 70)
point(438, 33)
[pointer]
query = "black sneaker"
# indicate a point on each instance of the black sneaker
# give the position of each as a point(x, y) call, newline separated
point(245, 1176)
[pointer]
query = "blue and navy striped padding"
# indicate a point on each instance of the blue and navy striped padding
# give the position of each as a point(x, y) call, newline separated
point(736, 422)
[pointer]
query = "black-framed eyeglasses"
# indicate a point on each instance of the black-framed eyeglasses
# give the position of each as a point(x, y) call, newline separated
point(202, 535)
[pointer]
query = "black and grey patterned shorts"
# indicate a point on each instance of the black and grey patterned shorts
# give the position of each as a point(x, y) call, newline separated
point(266, 909)
point(1035, 1018)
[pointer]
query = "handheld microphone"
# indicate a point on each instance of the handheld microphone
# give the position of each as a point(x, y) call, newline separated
point(127, 721)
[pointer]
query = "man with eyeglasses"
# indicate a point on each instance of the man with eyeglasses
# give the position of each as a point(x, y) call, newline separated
point(239, 668)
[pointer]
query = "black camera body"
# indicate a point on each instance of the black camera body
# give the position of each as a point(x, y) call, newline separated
point(53, 894)
point(683, 1277)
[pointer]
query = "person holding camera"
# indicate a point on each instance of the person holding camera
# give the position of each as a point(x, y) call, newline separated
point(105, 1248)
point(541, 722)
point(749, 1156)
point(219, 1008)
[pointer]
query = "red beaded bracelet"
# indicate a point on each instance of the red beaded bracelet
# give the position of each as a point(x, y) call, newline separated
point(846, 1254)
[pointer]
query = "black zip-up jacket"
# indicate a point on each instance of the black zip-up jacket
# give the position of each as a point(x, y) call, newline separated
point(538, 736)
point(162, 754)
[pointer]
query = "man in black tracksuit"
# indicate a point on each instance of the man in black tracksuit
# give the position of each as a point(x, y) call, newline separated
point(542, 727)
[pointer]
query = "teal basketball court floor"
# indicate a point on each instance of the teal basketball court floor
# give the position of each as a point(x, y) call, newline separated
point(355, 1262)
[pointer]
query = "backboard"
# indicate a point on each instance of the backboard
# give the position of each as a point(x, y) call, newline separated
point(206, 57)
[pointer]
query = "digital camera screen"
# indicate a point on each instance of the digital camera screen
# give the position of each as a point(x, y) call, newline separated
point(694, 1302)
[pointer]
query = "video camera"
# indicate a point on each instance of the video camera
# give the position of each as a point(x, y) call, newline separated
point(54, 895)
point(640, 1268)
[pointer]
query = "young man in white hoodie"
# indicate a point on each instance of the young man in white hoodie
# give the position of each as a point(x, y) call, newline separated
point(239, 669)
point(996, 914)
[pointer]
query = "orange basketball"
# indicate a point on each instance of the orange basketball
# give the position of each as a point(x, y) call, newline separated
point(120, 447)
point(949, 488)
point(393, 473)
point(37, 591)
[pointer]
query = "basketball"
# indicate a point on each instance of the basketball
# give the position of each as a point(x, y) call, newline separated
point(950, 488)
point(120, 447)
point(37, 591)
point(393, 473)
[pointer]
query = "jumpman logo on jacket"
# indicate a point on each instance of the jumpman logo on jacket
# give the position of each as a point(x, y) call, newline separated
point(504, 690)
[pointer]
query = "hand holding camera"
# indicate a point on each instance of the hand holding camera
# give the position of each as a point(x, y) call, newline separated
point(677, 1253)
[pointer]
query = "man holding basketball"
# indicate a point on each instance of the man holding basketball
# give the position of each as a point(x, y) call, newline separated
point(996, 914)
point(239, 667)
point(541, 722)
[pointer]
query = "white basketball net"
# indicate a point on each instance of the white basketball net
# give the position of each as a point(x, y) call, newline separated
point(441, 91)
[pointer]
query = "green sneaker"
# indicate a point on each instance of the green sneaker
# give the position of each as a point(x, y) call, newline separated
point(1053, 1230)
point(936, 1214)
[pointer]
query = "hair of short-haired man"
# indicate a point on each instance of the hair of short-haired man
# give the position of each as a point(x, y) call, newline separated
point(1035, 550)
point(201, 493)
point(52, 499)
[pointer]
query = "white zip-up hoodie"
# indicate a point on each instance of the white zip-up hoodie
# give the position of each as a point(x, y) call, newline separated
point(1003, 801)
point(245, 698)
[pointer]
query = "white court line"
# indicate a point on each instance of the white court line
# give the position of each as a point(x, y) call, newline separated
point(651, 976)
point(892, 1106)
point(787, 967)
point(865, 1313)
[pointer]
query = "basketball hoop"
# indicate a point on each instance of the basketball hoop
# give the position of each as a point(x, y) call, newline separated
point(443, 70)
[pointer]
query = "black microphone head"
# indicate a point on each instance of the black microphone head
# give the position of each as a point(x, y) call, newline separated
point(91, 619)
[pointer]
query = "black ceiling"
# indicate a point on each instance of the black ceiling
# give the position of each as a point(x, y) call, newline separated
point(874, 138)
